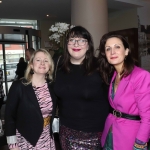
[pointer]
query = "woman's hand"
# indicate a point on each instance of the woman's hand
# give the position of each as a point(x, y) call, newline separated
point(13, 146)
point(17, 148)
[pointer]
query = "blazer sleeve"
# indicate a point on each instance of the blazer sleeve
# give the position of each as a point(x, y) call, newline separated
point(11, 108)
point(142, 97)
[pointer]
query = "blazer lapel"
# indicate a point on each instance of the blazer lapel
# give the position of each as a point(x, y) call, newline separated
point(121, 88)
point(32, 97)
point(110, 90)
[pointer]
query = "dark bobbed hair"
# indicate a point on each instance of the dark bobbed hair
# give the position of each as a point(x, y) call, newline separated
point(21, 60)
point(88, 62)
point(107, 69)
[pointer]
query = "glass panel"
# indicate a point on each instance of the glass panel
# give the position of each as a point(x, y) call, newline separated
point(0, 36)
point(14, 37)
point(1, 55)
point(19, 23)
point(14, 52)
point(12, 56)
point(39, 42)
point(36, 42)
point(26, 36)
point(1, 62)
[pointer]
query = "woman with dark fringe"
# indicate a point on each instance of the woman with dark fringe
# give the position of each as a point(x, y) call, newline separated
point(81, 94)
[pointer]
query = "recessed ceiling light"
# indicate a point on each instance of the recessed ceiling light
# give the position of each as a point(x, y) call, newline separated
point(0, 1)
point(47, 15)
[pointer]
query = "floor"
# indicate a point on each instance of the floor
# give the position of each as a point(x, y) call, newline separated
point(3, 143)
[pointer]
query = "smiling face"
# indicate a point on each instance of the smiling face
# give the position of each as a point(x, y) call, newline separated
point(77, 48)
point(115, 52)
point(41, 63)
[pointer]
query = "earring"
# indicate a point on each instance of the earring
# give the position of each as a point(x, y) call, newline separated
point(46, 75)
point(31, 71)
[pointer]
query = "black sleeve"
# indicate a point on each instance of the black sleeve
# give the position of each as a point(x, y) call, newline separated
point(11, 108)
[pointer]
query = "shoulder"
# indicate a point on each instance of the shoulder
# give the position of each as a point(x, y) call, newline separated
point(58, 62)
point(58, 58)
point(20, 82)
point(16, 83)
point(140, 80)
point(49, 82)
point(137, 71)
point(139, 75)
point(15, 87)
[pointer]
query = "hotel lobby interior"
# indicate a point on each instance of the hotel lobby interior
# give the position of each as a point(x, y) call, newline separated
point(98, 16)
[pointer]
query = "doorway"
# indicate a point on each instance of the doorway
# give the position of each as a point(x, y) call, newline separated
point(9, 58)
point(13, 42)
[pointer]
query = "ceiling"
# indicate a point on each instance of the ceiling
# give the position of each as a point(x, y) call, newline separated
point(35, 9)
point(58, 10)
point(114, 5)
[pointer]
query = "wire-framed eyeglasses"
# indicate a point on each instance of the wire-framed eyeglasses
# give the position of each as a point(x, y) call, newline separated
point(80, 42)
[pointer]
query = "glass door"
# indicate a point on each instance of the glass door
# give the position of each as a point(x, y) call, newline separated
point(13, 42)
point(9, 58)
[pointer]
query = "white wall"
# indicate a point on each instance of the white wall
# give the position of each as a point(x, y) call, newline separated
point(123, 20)
point(143, 13)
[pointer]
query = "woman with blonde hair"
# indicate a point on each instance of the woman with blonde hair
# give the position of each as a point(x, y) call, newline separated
point(30, 106)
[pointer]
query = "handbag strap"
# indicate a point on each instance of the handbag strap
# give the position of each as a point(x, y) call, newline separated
point(56, 68)
point(56, 115)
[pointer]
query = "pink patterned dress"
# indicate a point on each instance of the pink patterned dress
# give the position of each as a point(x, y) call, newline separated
point(45, 142)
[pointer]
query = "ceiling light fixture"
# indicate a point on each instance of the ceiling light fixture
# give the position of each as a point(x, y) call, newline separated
point(47, 15)
point(0, 1)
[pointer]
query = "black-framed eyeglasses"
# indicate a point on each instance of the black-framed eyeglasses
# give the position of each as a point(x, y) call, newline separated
point(80, 42)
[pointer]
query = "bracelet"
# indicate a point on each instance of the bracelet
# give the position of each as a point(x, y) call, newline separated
point(140, 146)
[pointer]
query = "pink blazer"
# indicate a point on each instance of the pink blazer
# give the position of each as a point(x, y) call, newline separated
point(131, 97)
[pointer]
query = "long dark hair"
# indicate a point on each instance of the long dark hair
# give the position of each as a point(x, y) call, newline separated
point(107, 69)
point(88, 62)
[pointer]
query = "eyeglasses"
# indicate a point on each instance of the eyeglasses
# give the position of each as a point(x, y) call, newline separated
point(80, 42)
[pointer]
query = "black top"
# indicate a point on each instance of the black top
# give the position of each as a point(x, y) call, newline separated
point(82, 99)
point(23, 111)
point(21, 67)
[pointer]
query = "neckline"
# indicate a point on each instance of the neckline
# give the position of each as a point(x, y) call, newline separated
point(75, 64)
point(38, 86)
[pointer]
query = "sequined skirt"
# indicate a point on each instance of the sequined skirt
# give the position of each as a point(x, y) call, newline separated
point(77, 140)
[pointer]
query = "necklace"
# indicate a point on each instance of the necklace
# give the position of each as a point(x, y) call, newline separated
point(117, 80)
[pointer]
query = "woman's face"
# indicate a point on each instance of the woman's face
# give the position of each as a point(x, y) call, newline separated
point(41, 63)
point(115, 52)
point(77, 48)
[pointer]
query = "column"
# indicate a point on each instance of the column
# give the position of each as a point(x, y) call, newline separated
point(91, 14)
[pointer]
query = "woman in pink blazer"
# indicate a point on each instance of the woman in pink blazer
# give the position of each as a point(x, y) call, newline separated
point(127, 126)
